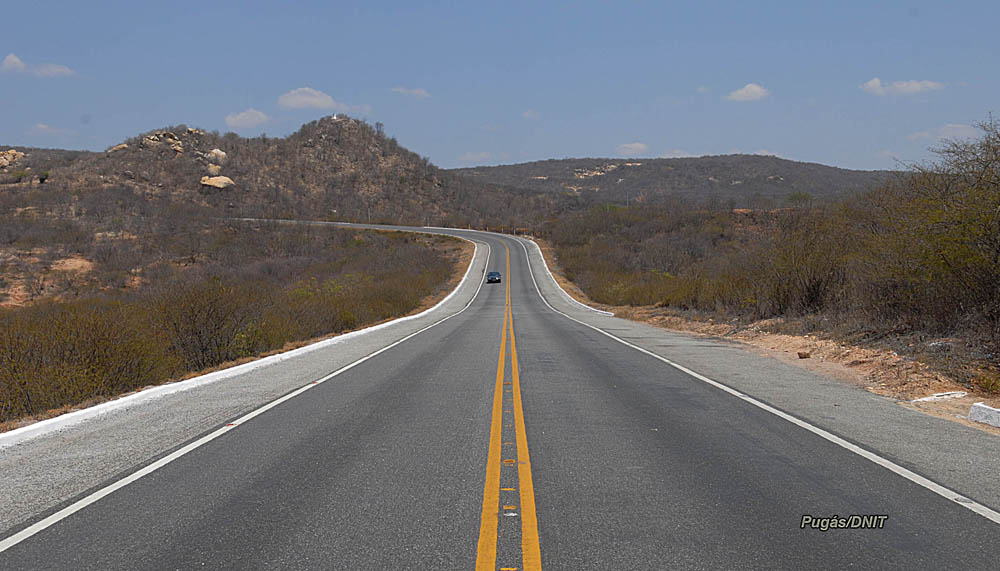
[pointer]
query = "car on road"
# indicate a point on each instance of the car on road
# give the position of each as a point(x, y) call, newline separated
point(493, 278)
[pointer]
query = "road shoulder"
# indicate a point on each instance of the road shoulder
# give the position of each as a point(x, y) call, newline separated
point(954, 455)
point(50, 469)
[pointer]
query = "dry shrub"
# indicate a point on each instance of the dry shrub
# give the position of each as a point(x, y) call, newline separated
point(921, 253)
point(54, 354)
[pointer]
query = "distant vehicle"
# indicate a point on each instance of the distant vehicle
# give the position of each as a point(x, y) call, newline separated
point(493, 278)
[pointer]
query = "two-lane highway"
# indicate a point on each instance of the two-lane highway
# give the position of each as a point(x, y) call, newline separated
point(510, 436)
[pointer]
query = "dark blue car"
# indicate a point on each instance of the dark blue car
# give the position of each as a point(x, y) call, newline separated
point(493, 278)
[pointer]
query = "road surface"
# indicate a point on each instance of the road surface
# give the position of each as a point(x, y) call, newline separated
point(510, 436)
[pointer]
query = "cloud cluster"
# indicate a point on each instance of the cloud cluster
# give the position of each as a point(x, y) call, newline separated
point(911, 87)
point(418, 92)
point(13, 64)
point(948, 131)
point(676, 154)
point(309, 98)
point(53, 70)
point(633, 149)
point(246, 119)
point(299, 98)
point(43, 130)
point(749, 92)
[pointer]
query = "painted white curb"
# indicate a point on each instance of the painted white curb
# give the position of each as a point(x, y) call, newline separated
point(553, 278)
point(942, 396)
point(981, 412)
point(62, 421)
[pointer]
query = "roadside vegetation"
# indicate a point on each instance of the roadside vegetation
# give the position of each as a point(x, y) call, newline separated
point(175, 295)
point(915, 260)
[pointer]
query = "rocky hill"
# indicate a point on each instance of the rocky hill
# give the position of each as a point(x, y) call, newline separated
point(334, 168)
point(744, 180)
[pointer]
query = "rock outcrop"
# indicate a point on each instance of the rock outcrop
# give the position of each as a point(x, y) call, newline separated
point(217, 181)
point(9, 157)
point(214, 170)
point(216, 155)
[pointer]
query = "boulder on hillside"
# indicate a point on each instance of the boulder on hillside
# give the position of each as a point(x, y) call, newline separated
point(118, 147)
point(9, 157)
point(216, 155)
point(214, 170)
point(217, 181)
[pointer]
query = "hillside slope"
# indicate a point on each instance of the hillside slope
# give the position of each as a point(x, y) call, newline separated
point(333, 168)
point(744, 180)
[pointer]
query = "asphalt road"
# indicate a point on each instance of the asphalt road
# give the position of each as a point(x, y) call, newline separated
point(512, 437)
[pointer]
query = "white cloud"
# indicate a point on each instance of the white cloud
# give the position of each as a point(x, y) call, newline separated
point(472, 157)
point(765, 153)
point(873, 86)
point(749, 92)
point(245, 119)
point(418, 92)
point(530, 114)
point(309, 98)
point(911, 87)
point(676, 154)
point(702, 90)
point(631, 149)
point(887, 154)
point(52, 70)
point(12, 63)
point(948, 131)
point(43, 130)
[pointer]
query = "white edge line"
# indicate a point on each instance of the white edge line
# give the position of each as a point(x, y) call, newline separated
point(80, 504)
point(549, 272)
point(65, 420)
point(938, 489)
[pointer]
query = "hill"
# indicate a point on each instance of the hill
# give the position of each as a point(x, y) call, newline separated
point(334, 168)
point(742, 180)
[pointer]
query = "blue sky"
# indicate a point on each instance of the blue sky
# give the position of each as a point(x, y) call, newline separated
point(468, 83)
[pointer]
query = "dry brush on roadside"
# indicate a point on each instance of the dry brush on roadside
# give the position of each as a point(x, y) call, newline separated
point(257, 288)
point(917, 258)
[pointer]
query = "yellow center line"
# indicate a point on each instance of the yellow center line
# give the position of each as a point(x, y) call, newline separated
point(486, 553)
point(531, 556)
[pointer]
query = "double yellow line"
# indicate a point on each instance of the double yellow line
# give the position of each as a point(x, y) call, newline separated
point(486, 554)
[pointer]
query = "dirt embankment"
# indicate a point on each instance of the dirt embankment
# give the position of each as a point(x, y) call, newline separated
point(879, 370)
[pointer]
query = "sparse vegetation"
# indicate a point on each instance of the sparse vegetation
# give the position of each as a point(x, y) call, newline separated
point(208, 294)
point(733, 181)
point(919, 255)
point(335, 168)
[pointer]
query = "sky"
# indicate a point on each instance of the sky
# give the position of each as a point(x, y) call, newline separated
point(865, 85)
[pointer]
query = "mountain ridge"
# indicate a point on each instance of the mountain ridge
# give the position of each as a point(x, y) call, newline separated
point(746, 180)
